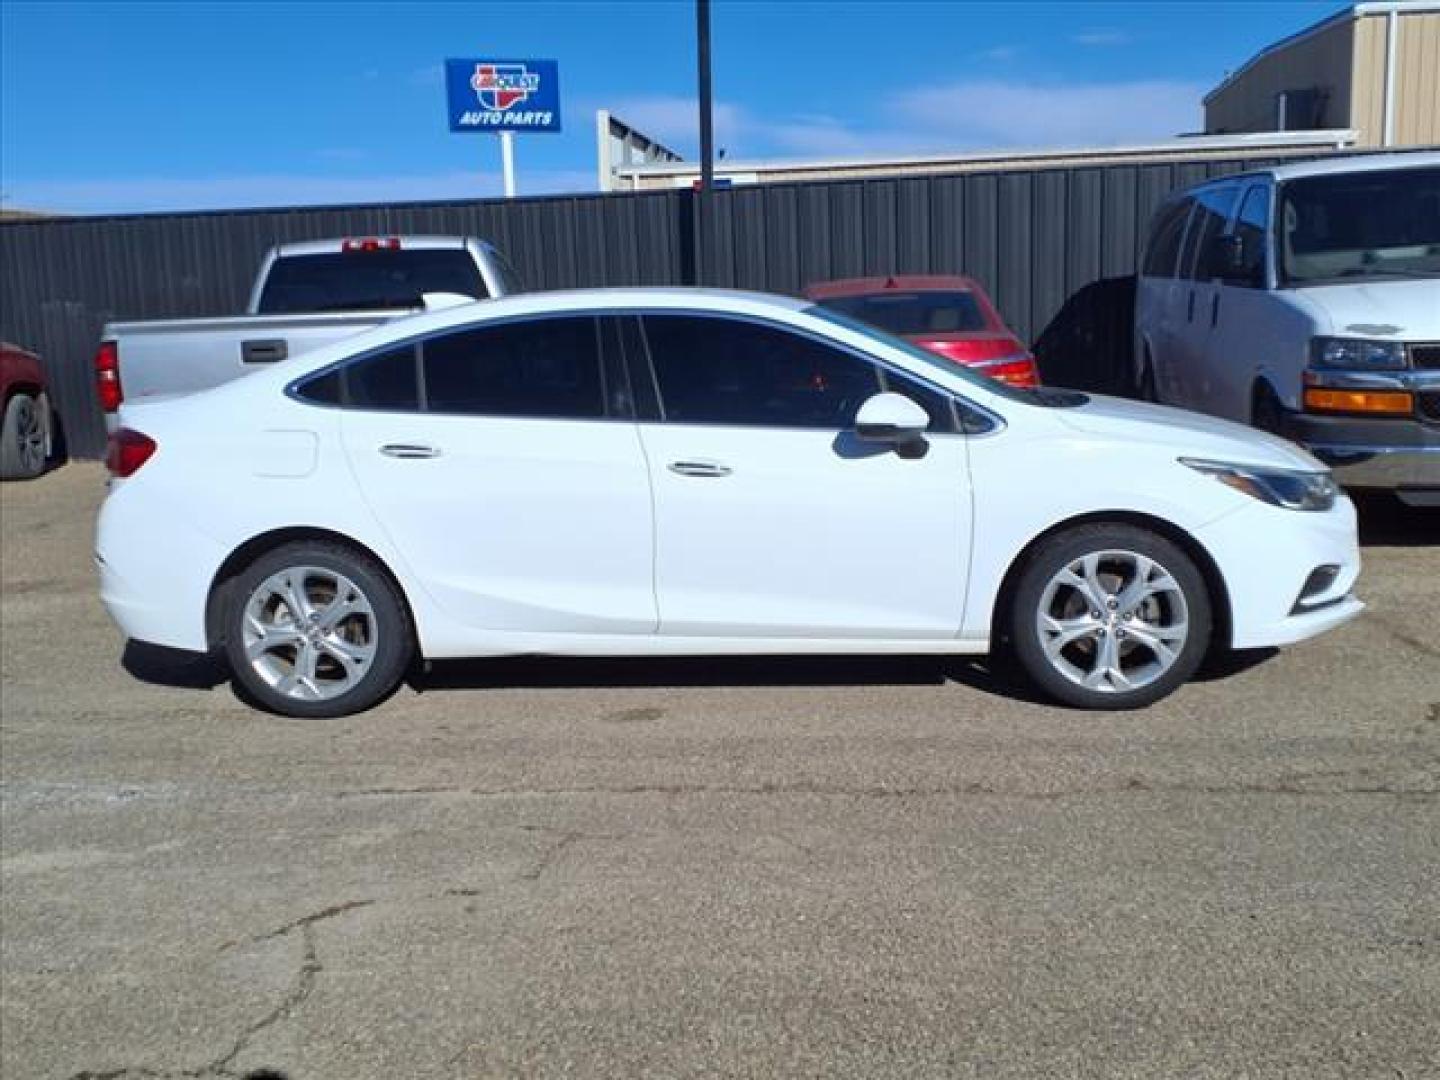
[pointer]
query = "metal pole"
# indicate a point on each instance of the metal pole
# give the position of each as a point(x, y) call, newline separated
point(707, 135)
point(507, 159)
point(1387, 120)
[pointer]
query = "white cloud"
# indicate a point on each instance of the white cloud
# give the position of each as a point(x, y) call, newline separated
point(675, 120)
point(1000, 113)
point(1101, 37)
point(141, 194)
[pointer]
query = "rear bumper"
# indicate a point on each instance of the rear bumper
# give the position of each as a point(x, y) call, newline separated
point(1393, 453)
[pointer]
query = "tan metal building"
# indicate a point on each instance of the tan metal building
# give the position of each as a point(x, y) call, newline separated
point(1373, 67)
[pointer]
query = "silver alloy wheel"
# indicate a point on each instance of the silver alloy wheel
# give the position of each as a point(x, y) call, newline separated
point(309, 632)
point(1112, 621)
point(30, 436)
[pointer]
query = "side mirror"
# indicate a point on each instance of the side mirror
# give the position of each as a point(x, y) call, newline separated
point(891, 418)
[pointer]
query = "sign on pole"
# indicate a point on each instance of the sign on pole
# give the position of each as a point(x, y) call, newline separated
point(503, 95)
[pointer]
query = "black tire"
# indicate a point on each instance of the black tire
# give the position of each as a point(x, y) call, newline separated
point(24, 437)
point(1266, 413)
point(383, 632)
point(1058, 678)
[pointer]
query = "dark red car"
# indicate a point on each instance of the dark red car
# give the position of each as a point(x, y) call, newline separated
point(949, 315)
point(25, 423)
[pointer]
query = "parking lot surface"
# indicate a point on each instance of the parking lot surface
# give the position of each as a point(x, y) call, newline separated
point(715, 868)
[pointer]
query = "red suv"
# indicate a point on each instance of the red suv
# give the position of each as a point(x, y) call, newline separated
point(25, 424)
point(948, 315)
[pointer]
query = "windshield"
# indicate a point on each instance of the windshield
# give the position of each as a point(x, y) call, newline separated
point(924, 312)
point(1352, 226)
point(929, 359)
point(367, 280)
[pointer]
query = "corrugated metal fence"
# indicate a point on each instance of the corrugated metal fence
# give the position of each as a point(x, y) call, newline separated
point(1057, 249)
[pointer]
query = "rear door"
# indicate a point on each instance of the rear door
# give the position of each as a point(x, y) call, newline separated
point(1245, 339)
point(504, 464)
point(772, 518)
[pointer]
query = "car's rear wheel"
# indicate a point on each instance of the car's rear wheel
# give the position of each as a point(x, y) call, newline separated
point(1109, 617)
point(315, 629)
point(24, 438)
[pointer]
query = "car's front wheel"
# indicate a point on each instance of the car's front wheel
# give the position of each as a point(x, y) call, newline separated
point(1109, 616)
point(316, 629)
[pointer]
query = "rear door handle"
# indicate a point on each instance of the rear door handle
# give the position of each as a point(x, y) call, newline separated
point(699, 468)
point(264, 351)
point(409, 450)
point(1190, 311)
point(1215, 309)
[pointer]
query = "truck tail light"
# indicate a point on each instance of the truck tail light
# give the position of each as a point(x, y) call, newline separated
point(370, 243)
point(126, 451)
point(107, 376)
point(1319, 399)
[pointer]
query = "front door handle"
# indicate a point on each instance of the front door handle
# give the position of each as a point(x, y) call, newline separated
point(409, 450)
point(699, 468)
point(1190, 310)
point(1215, 309)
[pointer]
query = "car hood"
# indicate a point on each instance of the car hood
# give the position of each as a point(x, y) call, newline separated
point(1185, 434)
point(1406, 309)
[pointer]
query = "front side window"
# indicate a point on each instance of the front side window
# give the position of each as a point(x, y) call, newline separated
point(541, 368)
point(1353, 226)
point(1250, 230)
point(730, 371)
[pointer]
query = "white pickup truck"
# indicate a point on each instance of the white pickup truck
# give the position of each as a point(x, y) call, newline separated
point(306, 295)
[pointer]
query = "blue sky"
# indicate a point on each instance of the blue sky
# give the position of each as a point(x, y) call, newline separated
point(150, 106)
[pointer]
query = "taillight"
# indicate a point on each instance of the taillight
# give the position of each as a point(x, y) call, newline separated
point(1016, 370)
point(107, 376)
point(127, 450)
point(371, 243)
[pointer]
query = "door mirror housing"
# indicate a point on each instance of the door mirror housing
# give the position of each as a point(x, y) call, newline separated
point(891, 418)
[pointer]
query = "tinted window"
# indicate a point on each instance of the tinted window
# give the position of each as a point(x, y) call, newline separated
point(926, 312)
point(728, 371)
point(1380, 224)
point(383, 381)
point(1163, 246)
point(367, 280)
point(323, 389)
point(538, 368)
point(1212, 212)
point(1250, 225)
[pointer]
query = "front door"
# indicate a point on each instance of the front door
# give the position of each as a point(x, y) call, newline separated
point(772, 519)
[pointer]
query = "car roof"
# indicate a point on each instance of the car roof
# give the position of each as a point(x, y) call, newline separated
point(1337, 165)
point(867, 286)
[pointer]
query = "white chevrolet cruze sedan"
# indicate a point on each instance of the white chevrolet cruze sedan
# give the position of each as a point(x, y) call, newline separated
point(687, 472)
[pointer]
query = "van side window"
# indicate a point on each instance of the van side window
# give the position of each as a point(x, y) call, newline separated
point(1250, 230)
point(1163, 247)
point(1212, 213)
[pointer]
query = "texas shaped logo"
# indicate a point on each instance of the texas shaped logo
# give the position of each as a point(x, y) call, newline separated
point(501, 86)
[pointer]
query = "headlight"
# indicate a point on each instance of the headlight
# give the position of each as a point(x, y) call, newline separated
point(1362, 353)
point(1292, 489)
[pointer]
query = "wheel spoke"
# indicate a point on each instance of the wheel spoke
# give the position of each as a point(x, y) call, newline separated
point(345, 604)
point(270, 638)
point(1062, 632)
point(1164, 642)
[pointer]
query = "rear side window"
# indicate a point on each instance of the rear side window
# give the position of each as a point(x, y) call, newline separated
point(730, 371)
point(911, 313)
point(542, 368)
point(1163, 247)
point(367, 280)
point(385, 382)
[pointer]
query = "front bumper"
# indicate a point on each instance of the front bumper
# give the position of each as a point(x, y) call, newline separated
point(1266, 556)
